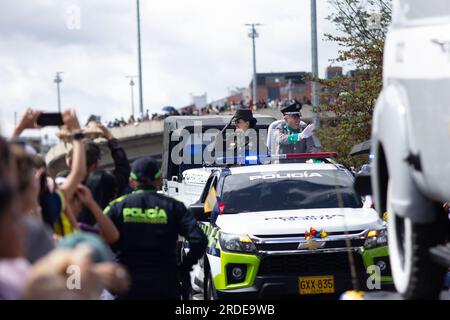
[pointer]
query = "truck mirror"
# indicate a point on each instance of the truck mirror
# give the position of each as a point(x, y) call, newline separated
point(198, 211)
point(363, 184)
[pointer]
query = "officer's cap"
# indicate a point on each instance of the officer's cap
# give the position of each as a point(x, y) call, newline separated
point(145, 167)
point(292, 108)
point(244, 114)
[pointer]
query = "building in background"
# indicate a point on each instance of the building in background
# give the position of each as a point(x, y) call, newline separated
point(282, 85)
point(199, 101)
point(333, 72)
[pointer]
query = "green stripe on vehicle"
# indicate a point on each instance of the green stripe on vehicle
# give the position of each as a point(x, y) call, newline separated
point(251, 261)
point(369, 256)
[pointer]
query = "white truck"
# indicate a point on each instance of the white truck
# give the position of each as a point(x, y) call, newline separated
point(411, 145)
point(287, 230)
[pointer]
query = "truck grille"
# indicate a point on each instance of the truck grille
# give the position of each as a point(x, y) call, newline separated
point(293, 246)
point(309, 264)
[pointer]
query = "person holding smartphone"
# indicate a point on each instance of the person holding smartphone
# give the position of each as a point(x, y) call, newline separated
point(54, 212)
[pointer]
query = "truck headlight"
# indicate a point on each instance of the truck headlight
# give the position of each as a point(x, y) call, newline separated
point(376, 238)
point(236, 243)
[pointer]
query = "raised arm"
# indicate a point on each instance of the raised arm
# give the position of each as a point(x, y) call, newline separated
point(28, 121)
point(78, 167)
point(121, 164)
point(108, 230)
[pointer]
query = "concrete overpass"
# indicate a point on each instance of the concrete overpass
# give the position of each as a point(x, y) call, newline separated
point(144, 139)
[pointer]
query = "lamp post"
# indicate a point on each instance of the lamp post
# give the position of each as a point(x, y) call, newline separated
point(253, 34)
point(132, 83)
point(315, 64)
point(58, 80)
point(141, 100)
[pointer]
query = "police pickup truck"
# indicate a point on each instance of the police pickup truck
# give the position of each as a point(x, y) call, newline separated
point(288, 229)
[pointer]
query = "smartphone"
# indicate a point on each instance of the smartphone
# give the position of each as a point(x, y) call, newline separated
point(50, 119)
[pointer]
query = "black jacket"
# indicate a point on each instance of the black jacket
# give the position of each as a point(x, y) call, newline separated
point(149, 225)
point(121, 174)
point(121, 165)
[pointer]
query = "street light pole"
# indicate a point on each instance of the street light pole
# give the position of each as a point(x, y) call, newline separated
point(132, 92)
point(315, 64)
point(141, 100)
point(58, 80)
point(253, 34)
point(290, 89)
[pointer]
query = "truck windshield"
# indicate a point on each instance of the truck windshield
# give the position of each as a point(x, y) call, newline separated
point(287, 190)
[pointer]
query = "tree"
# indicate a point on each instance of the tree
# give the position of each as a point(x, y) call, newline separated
point(362, 27)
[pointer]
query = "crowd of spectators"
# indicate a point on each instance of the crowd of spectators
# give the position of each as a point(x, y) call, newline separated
point(54, 237)
point(209, 109)
point(132, 120)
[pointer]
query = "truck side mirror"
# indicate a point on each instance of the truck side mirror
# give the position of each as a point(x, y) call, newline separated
point(198, 211)
point(363, 184)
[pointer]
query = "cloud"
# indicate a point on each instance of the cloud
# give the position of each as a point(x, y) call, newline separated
point(191, 46)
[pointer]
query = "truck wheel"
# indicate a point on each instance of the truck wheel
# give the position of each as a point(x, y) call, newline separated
point(210, 292)
point(415, 275)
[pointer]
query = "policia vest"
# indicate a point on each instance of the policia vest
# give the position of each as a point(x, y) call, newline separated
point(149, 224)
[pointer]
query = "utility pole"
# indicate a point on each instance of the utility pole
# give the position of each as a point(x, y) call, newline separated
point(132, 92)
point(290, 89)
point(141, 100)
point(58, 80)
point(315, 64)
point(253, 34)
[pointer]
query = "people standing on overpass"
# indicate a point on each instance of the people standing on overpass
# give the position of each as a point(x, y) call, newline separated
point(149, 225)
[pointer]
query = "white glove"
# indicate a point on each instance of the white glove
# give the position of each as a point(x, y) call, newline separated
point(308, 132)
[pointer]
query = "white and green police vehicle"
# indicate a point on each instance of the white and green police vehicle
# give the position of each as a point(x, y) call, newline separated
point(287, 229)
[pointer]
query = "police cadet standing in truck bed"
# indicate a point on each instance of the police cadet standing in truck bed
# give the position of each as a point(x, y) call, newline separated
point(294, 136)
point(149, 224)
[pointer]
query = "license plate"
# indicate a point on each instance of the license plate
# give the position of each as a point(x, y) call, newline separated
point(316, 285)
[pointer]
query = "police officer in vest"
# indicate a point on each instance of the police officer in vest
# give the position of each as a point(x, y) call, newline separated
point(292, 135)
point(149, 224)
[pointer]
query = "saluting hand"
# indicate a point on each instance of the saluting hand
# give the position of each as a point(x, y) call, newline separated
point(307, 132)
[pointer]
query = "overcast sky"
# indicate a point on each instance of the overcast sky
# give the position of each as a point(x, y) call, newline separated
point(188, 47)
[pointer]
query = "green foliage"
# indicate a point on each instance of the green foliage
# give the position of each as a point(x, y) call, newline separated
point(362, 27)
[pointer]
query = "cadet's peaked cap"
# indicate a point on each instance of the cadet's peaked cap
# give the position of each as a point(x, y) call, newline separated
point(292, 108)
point(244, 114)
